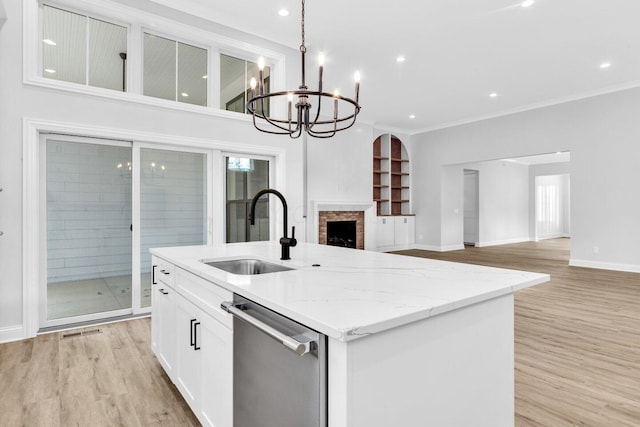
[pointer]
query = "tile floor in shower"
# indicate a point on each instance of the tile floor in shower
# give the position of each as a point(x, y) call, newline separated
point(78, 297)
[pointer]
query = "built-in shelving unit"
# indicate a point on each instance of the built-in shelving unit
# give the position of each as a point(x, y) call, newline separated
point(390, 176)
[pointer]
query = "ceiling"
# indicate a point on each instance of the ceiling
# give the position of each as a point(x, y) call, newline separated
point(457, 52)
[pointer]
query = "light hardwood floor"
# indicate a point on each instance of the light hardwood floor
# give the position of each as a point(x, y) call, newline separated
point(577, 337)
point(104, 379)
point(577, 356)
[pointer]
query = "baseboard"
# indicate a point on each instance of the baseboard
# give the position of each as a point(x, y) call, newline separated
point(502, 242)
point(11, 333)
point(439, 248)
point(631, 268)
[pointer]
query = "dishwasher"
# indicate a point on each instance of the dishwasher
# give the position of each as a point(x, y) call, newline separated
point(279, 369)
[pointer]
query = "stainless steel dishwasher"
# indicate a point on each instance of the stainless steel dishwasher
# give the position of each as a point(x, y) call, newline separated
point(279, 369)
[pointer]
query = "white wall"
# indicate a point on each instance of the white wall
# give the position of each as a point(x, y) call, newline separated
point(19, 101)
point(503, 192)
point(602, 134)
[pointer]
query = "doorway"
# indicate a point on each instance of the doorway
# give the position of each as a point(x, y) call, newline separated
point(471, 222)
point(104, 204)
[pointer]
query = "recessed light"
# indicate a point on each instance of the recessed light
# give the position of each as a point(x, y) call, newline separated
point(605, 65)
point(412, 116)
point(205, 77)
point(400, 59)
point(283, 12)
point(527, 3)
point(49, 70)
point(49, 42)
point(493, 94)
point(185, 94)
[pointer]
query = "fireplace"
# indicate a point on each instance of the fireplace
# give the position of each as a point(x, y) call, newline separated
point(341, 233)
point(341, 228)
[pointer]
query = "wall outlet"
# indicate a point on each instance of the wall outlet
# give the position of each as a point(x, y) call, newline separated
point(596, 250)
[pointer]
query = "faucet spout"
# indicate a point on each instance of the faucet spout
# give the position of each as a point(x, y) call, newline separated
point(285, 242)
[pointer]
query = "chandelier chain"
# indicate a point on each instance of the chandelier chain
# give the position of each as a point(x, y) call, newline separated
point(302, 46)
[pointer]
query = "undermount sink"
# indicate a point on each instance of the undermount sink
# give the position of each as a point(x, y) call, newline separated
point(247, 266)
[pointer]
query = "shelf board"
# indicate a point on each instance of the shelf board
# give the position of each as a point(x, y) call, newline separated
point(381, 200)
point(380, 171)
point(401, 187)
point(399, 201)
point(400, 173)
point(380, 158)
point(380, 186)
point(398, 160)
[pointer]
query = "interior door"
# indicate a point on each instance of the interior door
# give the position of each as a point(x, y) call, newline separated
point(471, 212)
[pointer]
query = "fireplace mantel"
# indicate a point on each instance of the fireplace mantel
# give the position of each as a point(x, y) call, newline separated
point(369, 209)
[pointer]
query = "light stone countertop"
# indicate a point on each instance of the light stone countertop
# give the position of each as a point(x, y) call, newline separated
point(353, 293)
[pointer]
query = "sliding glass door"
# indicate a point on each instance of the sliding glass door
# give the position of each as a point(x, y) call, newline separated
point(173, 205)
point(88, 223)
point(105, 203)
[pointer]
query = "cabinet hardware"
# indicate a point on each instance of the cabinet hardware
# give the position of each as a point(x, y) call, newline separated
point(195, 336)
point(163, 292)
point(165, 272)
point(193, 341)
point(153, 275)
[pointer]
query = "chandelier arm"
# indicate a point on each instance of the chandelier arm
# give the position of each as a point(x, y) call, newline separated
point(255, 124)
point(319, 133)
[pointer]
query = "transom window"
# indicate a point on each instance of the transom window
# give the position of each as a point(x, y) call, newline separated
point(79, 49)
point(174, 70)
point(235, 79)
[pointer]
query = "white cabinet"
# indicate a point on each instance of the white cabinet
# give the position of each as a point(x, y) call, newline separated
point(193, 340)
point(204, 364)
point(395, 232)
point(189, 352)
point(163, 341)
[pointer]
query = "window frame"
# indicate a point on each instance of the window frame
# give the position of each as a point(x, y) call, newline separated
point(137, 22)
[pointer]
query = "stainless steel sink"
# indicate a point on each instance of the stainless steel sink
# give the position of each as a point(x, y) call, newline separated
point(247, 266)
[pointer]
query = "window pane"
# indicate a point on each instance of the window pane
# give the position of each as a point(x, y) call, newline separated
point(159, 67)
point(106, 44)
point(192, 74)
point(232, 83)
point(245, 177)
point(235, 79)
point(64, 48)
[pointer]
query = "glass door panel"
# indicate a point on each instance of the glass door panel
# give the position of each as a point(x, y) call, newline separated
point(245, 177)
point(173, 205)
point(88, 207)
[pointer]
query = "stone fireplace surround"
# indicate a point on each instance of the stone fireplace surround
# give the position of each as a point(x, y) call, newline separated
point(361, 212)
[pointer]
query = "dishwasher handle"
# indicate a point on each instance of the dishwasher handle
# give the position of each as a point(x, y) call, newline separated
point(238, 310)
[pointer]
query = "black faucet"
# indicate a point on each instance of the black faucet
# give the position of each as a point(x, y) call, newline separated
point(285, 242)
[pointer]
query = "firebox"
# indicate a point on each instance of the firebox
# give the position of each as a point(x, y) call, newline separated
point(341, 233)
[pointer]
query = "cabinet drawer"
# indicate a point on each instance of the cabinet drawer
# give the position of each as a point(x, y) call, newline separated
point(164, 273)
point(205, 295)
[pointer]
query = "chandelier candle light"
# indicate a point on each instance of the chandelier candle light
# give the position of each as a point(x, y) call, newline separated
point(307, 117)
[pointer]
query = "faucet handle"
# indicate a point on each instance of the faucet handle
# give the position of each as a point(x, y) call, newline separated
point(293, 241)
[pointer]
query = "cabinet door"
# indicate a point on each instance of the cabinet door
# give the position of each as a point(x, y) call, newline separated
point(385, 232)
point(163, 342)
point(188, 351)
point(216, 374)
point(404, 230)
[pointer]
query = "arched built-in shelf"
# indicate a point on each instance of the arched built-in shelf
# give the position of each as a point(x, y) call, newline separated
point(390, 176)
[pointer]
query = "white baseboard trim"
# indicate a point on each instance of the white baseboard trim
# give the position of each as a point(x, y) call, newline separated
point(502, 242)
point(11, 333)
point(631, 268)
point(439, 248)
point(395, 248)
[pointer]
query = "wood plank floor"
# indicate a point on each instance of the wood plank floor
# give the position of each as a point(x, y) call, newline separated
point(109, 378)
point(577, 349)
point(577, 356)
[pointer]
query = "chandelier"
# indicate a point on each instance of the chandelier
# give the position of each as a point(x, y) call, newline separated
point(303, 116)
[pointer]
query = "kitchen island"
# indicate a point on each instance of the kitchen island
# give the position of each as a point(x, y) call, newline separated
point(411, 341)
